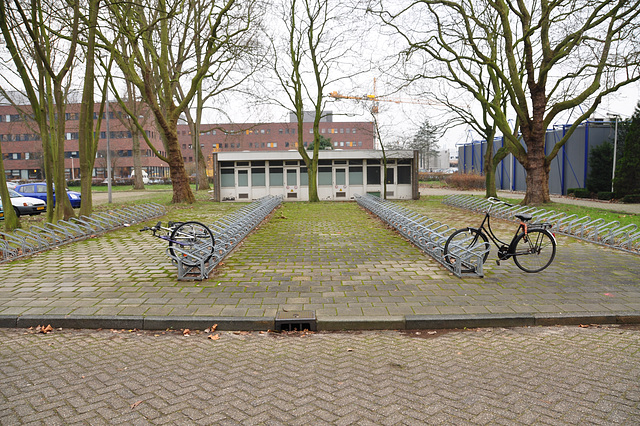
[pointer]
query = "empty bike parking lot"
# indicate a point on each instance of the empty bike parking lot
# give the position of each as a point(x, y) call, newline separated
point(330, 258)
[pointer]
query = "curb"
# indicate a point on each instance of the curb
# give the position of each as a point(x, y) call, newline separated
point(354, 323)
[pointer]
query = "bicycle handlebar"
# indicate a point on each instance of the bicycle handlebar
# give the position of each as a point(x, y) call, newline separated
point(494, 200)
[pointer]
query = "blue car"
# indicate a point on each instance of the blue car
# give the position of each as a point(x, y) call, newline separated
point(1, 212)
point(39, 190)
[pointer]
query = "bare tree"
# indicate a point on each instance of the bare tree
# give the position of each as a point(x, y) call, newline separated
point(552, 57)
point(42, 42)
point(159, 37)
point(315, 54)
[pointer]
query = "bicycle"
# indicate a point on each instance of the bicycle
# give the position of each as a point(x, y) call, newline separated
point(532, 247)
point(191, 242)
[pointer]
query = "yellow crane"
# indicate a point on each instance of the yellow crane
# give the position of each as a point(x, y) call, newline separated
point(377, 99)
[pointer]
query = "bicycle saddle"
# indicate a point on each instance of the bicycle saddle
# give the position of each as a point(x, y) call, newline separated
point(524, 216)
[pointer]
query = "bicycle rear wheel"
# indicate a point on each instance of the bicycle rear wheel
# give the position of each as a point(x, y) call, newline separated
point(534, 251)
point(463, 244)
point(193, 242)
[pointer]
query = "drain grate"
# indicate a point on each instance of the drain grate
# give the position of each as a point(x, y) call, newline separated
point(296, 321)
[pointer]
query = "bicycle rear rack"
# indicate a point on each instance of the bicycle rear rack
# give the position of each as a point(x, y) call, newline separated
point(427, 234)
point(598, 231)
point(25, 242)
point(227, 231)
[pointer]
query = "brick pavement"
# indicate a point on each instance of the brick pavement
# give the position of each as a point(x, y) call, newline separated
point(520, 376)
point(332, 258)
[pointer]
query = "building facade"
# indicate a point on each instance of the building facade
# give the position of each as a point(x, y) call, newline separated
point(22, 147)
point(569, 169)
point(341, 175)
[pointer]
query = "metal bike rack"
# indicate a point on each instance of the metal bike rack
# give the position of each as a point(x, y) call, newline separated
point(598, 231)
point(25, 242)
point(227, 231)
point(427, 234)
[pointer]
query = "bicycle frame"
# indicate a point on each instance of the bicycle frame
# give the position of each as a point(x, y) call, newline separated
point(502, 246)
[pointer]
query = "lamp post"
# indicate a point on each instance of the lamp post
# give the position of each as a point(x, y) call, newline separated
point(615, 151)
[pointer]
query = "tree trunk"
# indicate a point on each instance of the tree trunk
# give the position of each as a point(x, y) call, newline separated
point(537, 176)
point(181, 189)
point(137, 163)
point(203, 179)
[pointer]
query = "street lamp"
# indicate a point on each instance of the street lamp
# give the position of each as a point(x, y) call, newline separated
point(615, 150)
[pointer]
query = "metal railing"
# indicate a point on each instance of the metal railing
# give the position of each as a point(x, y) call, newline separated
point(38, 238)
point(227, 231)
point(598, 231)
point(427, 234)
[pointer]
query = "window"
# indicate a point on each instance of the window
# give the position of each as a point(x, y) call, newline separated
point(341, 130)
point(292, 177)
point(227, 178)
point(355, 175)
point(258, 177)
point(373, 175)
point(404, 174)
point(341, 177)
point(243, 178)
point(348, 130)
point(276, 177)
point(324, 176)
point(304, 177)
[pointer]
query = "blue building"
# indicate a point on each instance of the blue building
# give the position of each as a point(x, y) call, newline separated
point(569, 169)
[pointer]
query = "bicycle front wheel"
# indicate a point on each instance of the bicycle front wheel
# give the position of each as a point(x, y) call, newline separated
point(193, 242)
point(534, 251)
point(463, 244)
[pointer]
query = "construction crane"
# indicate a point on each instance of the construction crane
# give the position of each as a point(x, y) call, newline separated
point(377, 99)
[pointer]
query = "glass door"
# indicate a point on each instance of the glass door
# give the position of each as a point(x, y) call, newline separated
point(292, 182)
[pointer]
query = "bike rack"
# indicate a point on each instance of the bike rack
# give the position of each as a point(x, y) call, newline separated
point(427, 234)
point(597, 231)
point(227, 231)
point(25, 242)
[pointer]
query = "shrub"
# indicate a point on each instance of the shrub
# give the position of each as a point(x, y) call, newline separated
point(631, 198)
point(582, 193)
point(605, 195)
point(465, 180)
point(572, 191)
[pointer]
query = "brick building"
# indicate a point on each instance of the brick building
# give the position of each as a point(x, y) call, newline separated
point(22, 147)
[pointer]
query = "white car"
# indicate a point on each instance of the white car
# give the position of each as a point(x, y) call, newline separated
point(11, 185)
point(26, 205)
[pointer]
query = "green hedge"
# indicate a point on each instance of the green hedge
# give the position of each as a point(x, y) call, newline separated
point(582, 193)
point(605, 195)
point(631, 198)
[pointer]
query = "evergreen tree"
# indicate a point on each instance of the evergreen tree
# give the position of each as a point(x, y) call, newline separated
point(627, 179)
point(325, 143)
point(600, 168)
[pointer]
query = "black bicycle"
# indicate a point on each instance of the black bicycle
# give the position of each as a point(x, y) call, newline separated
point(191, 242)
point(533, 246)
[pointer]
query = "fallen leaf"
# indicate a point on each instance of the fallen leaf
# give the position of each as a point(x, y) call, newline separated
point(432, 332)
point(349, 350)
point(135, 404)
point(584, 325)
point(186, 332)
point(44, 330)
point(214, 337)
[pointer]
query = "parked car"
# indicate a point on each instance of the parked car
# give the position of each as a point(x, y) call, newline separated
point(26, 205)
point(11, 185)
point(39, 190)
point(1, 212)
